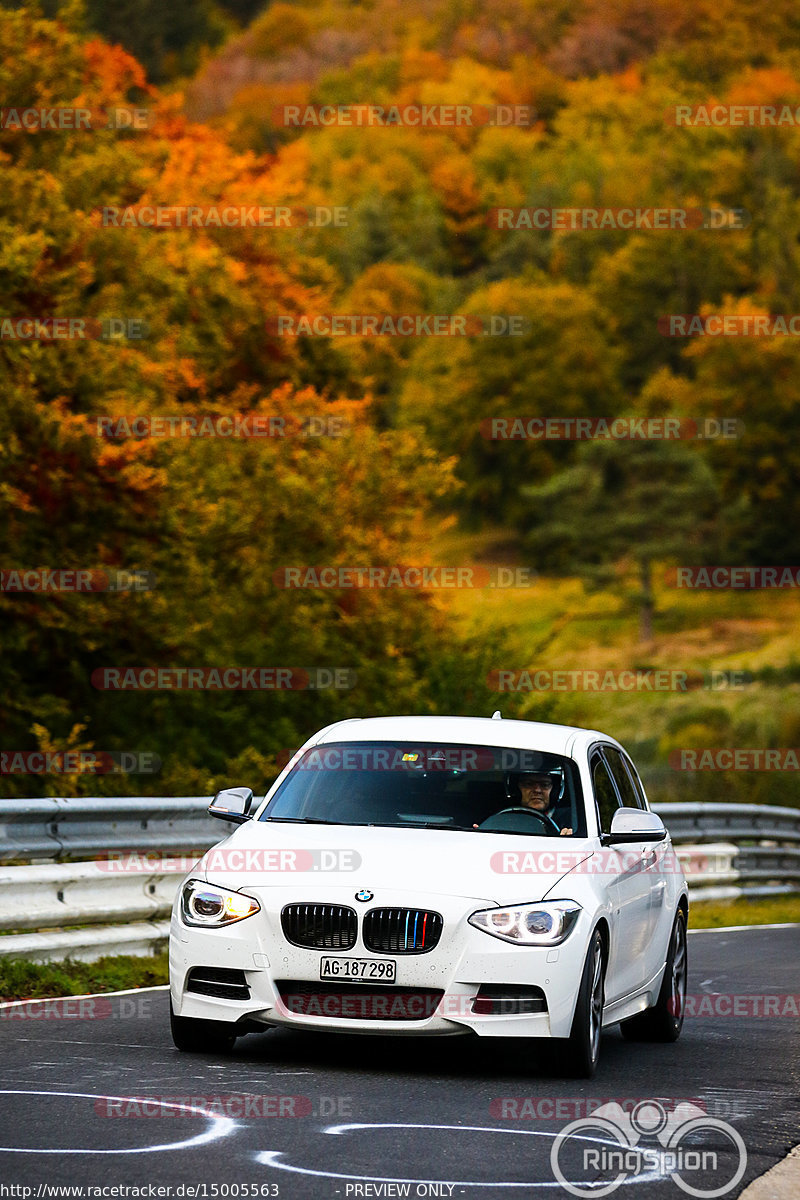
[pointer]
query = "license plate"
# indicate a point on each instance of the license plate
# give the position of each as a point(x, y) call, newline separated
point(360, 970)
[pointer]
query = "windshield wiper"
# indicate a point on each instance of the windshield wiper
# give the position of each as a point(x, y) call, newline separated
point(416, 825)
point(309, 821)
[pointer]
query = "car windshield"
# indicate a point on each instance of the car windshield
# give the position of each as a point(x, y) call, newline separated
point(434, 785)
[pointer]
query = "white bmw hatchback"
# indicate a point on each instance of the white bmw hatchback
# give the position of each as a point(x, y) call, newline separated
point(437, 875)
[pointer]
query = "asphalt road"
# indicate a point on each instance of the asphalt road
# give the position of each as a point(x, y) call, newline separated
point(98, 1098)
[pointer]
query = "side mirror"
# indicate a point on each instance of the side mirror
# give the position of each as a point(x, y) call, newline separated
point(634, 825)
point(232, 804)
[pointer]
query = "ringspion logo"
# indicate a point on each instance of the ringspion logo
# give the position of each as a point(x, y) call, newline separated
point(704, 1155)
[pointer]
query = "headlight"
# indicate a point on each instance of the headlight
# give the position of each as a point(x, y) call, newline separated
point(210, 906)
point(545, 924)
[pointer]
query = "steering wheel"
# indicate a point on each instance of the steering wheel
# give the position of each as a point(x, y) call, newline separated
point(545, 818)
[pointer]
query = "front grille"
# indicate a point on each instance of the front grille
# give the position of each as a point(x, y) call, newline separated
point(355, 1002)
point(223, 982)
point(401, 930)
point(496, 1000)
point(320, 926)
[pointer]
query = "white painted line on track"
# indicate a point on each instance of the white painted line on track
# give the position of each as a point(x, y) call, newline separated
point(738, 928)
point(220, 1127)
point(158, 987)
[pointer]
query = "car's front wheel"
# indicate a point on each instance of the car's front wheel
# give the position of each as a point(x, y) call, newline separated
point(664, 1021)
point(194, 1035)
point(583, 1044)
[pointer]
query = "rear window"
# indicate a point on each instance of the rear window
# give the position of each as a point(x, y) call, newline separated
point(430, 784)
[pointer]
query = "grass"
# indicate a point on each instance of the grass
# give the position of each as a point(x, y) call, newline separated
point(23, 980)
point(712, 914)
point(555, 625)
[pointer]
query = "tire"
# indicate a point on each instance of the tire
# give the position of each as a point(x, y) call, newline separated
point(582, 1048)
point(664, 1021)
point(193, 1035)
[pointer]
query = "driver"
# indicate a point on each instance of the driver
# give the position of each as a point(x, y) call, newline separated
point(535, 789)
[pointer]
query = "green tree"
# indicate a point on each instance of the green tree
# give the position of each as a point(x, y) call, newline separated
point(623, 503)
point(561, 365)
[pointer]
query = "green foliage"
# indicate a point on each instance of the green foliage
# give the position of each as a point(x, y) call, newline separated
point(717, 914)
point(644, 501)
point(23, 980)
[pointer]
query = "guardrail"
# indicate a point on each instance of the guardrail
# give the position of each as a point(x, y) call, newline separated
point(55, 904)
point(58, 829)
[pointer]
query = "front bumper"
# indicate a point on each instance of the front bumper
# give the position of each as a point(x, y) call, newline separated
point(464, 959)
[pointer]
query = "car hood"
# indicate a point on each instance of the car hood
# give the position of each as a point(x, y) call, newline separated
point(493, 868)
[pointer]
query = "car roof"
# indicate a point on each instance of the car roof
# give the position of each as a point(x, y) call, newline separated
point(568, 740)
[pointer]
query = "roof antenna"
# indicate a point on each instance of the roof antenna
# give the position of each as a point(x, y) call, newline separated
point(497, 715)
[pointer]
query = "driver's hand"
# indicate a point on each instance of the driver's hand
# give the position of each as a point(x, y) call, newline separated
point(566, 832)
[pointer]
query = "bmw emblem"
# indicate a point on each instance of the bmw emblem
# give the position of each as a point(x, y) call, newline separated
point(364, 895)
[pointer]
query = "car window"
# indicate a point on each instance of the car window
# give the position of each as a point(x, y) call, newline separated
point(630, 797)
point(635, 781)
point(605, 793)
point(436, 785)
